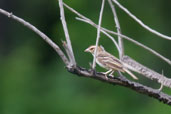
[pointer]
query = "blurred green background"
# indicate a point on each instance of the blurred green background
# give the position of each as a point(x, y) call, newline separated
point(33, 79)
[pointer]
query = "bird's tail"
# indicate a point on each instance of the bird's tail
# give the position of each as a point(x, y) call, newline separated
point(130, 73)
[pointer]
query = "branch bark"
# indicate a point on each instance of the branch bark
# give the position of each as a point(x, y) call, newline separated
point(154, 93)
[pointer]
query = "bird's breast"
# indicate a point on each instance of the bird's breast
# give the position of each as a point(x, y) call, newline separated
point(100, 64)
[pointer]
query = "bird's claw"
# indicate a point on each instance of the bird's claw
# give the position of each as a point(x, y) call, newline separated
point(106, 76)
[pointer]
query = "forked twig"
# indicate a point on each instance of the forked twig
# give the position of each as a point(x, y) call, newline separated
point(105, 31)
point(88, 73)
point(71, 55)
point(92, 23)
point(120, 40)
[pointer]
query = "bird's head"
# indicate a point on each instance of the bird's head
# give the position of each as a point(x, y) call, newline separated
point(91, 49)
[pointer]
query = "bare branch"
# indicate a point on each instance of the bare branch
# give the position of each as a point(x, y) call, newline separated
point(41, 34)
point(166, 99)
point(141, 69)
point(71, 55)
point(92, 74)
point(140, 22)
point(120, 40)
point(104, 30)
point(92, 23)
point(98, 33)
point(141, 45)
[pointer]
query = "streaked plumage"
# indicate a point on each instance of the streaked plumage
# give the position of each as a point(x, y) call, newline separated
point(108, 61)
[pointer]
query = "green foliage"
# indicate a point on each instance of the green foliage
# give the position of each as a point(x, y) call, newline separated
point(33, 79)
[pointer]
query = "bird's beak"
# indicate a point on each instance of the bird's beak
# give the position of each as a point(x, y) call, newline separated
point(87, 50)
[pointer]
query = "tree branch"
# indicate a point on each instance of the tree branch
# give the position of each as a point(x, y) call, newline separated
point(106, 31)
point(92, 23)
point(140, 22)
point(145, 71)
point(71, 54)
point(41, 34)
point(120, 40)
point(92, 74)
point(154, 93)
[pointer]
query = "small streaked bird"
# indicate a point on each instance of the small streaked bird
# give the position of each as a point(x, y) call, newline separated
point(108, 61)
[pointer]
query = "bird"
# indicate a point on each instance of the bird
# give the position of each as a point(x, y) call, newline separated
point(108, 61)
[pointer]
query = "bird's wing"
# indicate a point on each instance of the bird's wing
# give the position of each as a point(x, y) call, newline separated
point(110, 61)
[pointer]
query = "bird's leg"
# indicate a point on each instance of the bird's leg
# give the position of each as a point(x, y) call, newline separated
point(106, 73)
point(121, 76)
point(90, 65)
point(111, 73)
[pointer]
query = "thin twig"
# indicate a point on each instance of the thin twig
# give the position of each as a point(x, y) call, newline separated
point(104, 30)
point(71, 55)
point(140, 22)
point(98, 33)
point(41, 34)
point(141, 45)
point(120, 40)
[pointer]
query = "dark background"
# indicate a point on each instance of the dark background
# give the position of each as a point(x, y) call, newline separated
point(33, 79)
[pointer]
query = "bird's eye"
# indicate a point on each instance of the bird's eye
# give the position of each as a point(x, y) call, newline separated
point(91, 49)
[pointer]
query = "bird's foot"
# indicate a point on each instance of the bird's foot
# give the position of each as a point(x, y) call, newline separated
point(111, 74)
point(106, 76)
point(106, 73)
